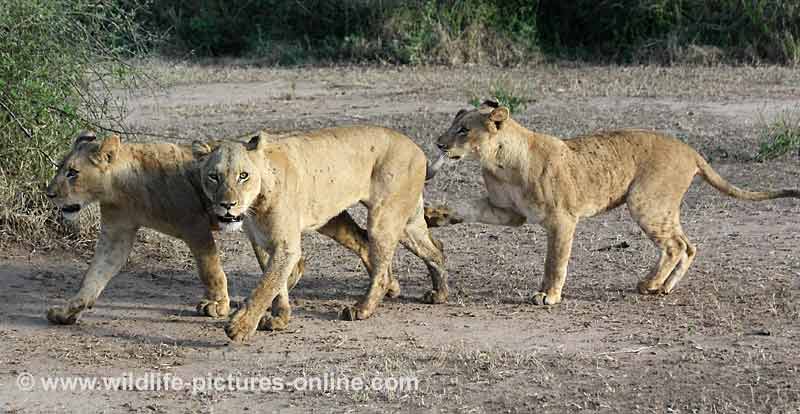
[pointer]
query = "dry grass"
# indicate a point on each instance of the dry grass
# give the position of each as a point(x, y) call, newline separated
point(781, 136)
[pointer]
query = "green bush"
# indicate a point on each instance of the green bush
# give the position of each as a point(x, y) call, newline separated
point(780, 137)
point(277, 31)
point(462, 31)
point(505, 95)
point(58, 61)
point(281, 31)
point(664, 30)
point(490, 31)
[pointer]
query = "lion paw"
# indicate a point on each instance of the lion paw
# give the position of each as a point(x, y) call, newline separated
point(434, 297)
point(393, 290)
point(273, 323)
point(214, 308)
point(440, 216)
point(541, 298)
point(242, 325)
point(353, 313)
point(62, 316)
point(646, 288)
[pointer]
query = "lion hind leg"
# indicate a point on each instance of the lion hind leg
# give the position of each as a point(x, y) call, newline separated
point(345, 231)
point(387, 218)
point(420, 242)
point(675, 253)
point(654, 202)
point(680, 270)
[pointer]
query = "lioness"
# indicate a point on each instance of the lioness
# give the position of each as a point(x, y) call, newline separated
point(155, 186)
point(541, 179)
point(280, 189)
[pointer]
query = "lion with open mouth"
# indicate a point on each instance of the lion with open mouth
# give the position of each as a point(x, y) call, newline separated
point(279, 189)
point(157, 186)
point(537, 178)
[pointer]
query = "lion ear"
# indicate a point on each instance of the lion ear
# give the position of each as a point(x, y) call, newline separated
point(490, 104)
point(499, 114)
point(200, 149)
point(84, 136)
point(108, 149)
point(257, 142)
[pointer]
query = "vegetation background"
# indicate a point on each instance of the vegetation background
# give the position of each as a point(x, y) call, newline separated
point(61, 60)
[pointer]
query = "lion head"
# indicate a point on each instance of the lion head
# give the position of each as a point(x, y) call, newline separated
point(82, 177)
point(230, 177)
point(471, 129)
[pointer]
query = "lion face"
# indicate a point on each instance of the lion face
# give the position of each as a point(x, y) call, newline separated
point(82, 176)
point(471, 129)
point(230, 180)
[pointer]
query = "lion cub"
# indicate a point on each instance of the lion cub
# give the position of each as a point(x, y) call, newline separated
point(155, 186)
point(533, 177)
point(280, 189)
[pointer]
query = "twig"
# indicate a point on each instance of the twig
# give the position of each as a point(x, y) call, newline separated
point(629, 351)
point(110, 129)
point(14, 117)
point(49, 158)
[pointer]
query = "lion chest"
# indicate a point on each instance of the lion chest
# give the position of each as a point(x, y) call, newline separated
point(256, 233)
point(513, 197)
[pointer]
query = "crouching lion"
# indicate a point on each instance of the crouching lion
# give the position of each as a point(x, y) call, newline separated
point(280, 189)
point(533, 177)
point(155, 186)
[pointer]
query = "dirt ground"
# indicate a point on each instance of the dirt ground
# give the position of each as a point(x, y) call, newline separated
point(726, 341)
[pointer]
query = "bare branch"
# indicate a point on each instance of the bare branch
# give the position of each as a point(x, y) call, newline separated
point(14, 117)
point(120, 130)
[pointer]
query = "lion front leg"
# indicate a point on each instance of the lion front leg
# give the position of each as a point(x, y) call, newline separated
point(279, 316)
point(283, 259)
point(215, 302)
point(110, 254)
point(476, 211)
point(560, 232)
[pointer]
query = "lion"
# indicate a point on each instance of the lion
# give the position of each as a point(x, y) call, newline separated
point(538, 178)
point(279, 189)
point(156, 186)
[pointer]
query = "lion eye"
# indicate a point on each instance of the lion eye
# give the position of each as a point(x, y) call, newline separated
point(463, 131)
point(243, 176)
point(72, 173)
point(213, 177)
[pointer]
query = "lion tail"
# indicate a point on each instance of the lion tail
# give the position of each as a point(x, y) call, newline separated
point(725, 187)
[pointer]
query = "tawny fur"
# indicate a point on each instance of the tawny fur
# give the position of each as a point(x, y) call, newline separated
point(155, 186)
point(537, 178)
point(298, 183)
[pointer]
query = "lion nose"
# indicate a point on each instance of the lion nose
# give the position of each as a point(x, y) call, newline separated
point(228, 205)
point(50, 194)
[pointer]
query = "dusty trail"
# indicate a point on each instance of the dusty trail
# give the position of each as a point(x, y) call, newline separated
point(724, 341)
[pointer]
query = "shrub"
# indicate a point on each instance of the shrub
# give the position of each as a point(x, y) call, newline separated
point(462, 31)
point(417, 31)
point(483, 31)
point(665, 30)
point(275, 30)
point(58, 62)
point(780, 137)
point(506, 96)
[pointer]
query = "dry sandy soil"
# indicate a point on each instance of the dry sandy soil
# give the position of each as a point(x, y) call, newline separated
point(726, 341)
